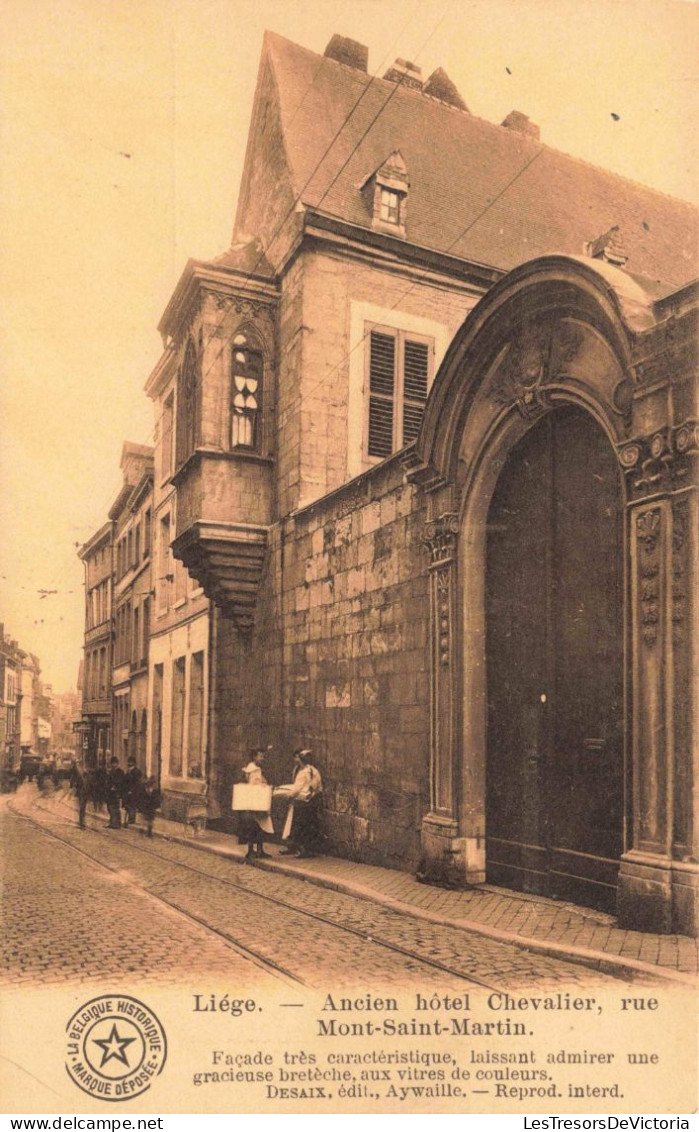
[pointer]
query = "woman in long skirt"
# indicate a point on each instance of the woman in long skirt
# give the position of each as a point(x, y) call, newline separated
point(254, 825)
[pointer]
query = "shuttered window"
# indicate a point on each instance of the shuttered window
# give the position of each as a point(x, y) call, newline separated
point(382, 367)
point(399, 368)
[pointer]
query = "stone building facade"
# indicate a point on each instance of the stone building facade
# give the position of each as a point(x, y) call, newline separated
point(131, 516)
point(432, 464)
point(11, 658)
point(178, 662)
point(96, 709)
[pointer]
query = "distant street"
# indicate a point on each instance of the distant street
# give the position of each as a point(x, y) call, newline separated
point(86, 904)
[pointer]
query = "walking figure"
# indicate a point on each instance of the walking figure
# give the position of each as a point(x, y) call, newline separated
point(82, 787)
point(132, 785)
point(149, 803)
point(115, 790)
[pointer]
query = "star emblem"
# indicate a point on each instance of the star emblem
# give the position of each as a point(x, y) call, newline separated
point(113, 1046)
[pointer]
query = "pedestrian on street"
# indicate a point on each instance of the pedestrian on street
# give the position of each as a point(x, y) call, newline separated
point(82, 787)
point(132, 785)
point(302, 827)
point(254, 824)
point(149, 802)
point(43, 774)
point(99, 785)
point(115, 791)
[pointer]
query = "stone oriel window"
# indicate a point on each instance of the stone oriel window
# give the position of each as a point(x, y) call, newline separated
point(399, 371)
point(247, 368)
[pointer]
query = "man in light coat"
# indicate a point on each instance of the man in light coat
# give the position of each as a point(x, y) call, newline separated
point(302, 828)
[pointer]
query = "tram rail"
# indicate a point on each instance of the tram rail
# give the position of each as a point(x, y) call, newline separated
point(273, 968)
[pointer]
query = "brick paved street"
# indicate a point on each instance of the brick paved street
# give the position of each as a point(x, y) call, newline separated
point(66, 918)
point(533, 922)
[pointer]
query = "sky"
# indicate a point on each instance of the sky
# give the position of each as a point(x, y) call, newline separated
point(123, 129)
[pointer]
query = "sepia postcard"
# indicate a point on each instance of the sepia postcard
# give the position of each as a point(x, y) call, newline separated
point(348, 568)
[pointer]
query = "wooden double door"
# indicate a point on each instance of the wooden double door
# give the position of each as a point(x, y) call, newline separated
point(554, 646)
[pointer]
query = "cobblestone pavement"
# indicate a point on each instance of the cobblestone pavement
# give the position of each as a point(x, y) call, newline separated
point(595, 937)
point(66, 917)
point(533, 921)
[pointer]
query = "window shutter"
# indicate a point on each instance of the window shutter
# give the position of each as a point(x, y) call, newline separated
point(382, 366)
point(415, 378)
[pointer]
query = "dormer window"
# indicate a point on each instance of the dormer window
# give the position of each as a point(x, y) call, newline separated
point(246, 394)
point(389, 208)
point(386, 195)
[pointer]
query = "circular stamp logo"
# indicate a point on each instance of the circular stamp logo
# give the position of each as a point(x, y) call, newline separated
point(116, 1047)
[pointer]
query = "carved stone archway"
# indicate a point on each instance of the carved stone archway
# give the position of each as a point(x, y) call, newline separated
point(561, 332)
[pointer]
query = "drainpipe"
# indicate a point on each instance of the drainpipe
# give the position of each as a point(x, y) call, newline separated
point(213, 776)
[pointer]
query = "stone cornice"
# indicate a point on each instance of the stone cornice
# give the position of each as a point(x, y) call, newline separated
point(99, 538)
point(390, 252)
point(161, 373)
point(199, 276)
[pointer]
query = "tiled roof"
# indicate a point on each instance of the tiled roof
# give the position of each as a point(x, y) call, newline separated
point(246, 255)
point(458, 164)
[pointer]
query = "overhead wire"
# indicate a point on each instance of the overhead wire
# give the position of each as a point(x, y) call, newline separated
point(394, 89)
point(291, 210)
point(216, 325)
point(404, 294)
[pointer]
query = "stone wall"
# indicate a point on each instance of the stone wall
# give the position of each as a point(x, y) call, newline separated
point(339, 662)
point(321, 399)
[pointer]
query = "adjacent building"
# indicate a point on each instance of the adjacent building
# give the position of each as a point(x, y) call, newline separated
point(179, 684)
point(65, 714)
point(96, 712)
point(35, 708)
point(427, 439)
point(11, 657)
point(131, 516)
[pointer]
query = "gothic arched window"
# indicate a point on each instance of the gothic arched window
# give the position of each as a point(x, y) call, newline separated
point(246, 394)
point(188, 404)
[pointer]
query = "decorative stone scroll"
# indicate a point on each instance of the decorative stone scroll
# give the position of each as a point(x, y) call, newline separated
point(441, 538)
point(648, 535)
point(680, 526)
point(542, 353)
point(662, 460)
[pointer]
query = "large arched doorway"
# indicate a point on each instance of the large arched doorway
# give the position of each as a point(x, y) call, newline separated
point(554, 660)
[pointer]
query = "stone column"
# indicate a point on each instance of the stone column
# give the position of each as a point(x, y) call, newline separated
point(658, 879)
point(440, 825)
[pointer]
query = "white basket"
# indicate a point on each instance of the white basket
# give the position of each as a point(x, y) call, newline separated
point(257, 798)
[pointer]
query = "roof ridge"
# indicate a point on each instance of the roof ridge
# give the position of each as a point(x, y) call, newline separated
point(375, 78)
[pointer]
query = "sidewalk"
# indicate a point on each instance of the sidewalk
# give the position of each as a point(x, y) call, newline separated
point(538, 924)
